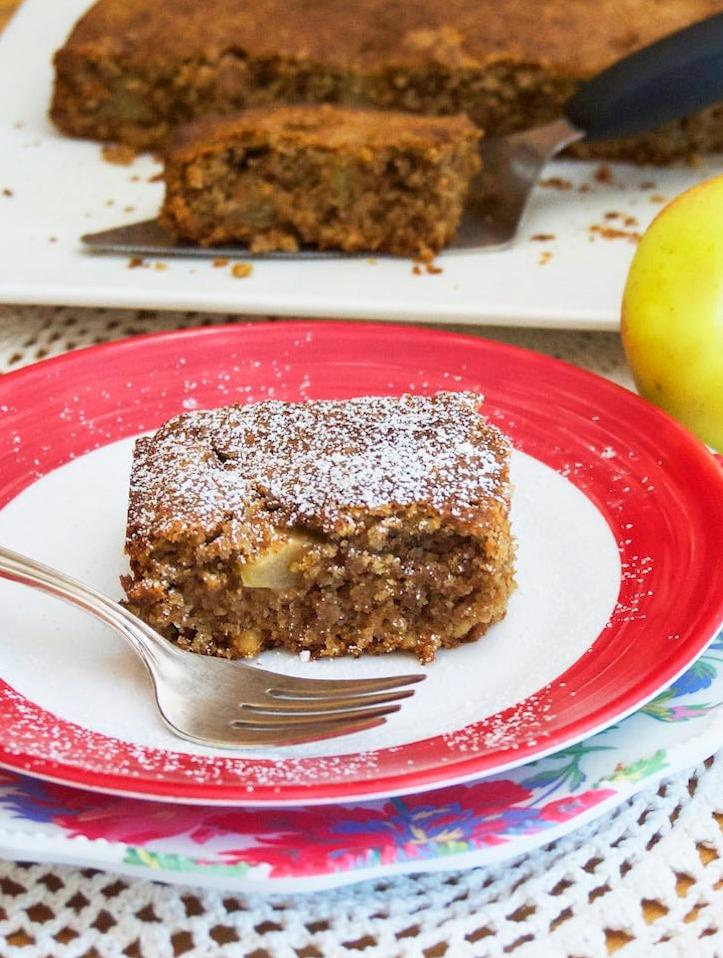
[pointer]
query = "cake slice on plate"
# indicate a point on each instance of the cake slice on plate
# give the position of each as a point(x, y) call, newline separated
point(357, 526)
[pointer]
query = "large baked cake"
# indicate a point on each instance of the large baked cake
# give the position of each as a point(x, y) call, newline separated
point(131, 70)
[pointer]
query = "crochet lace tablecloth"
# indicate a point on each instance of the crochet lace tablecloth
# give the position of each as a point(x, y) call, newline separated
point(646, 878)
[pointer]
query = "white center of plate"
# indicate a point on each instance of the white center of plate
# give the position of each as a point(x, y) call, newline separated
point(568, 575)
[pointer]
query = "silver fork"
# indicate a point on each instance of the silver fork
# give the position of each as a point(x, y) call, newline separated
point(220, 703)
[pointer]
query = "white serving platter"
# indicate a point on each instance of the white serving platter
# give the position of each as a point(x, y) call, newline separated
point(54, 189)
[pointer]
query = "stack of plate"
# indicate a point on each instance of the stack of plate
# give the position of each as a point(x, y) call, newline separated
point(601, 678)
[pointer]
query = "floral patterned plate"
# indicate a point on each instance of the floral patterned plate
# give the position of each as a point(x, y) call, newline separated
point(308, 848)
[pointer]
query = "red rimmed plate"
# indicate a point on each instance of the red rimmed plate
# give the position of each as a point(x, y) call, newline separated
point(617, 512)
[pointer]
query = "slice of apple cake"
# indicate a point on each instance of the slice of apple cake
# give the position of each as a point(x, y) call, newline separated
point(365, 525)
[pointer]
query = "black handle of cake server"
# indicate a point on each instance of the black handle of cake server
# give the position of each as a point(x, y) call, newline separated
point(669, 79)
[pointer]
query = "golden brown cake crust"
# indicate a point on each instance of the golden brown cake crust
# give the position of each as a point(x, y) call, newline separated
point(341, 129)
point(320, 462)
point(577, 37)
point(133, 70)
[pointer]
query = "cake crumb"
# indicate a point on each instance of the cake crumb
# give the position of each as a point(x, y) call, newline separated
point(433, 270)
point(135, 261)
point(372, 261)
point(544, 257)
point(135, 178)
point(160, 266)
point(658, 198)
point(241, 270)
point(220, 261)
point(543, 237)
point(52, 239)
point(584, 188)
point(556, 183)
point(110, 202)
point(604, 174)
point(118, 154)
point(613, 215)
point(630, 221)
point(129, 209)
point(612, 233)
point(156, 178)
point(425, 259)
point(8, 192)
point(648, 185)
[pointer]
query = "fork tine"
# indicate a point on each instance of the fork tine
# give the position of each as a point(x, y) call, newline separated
point(290, 686)
point(270, 721)
point(254, 738)
point(319, 706)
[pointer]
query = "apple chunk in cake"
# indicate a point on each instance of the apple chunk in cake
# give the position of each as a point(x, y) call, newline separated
point(356, 526)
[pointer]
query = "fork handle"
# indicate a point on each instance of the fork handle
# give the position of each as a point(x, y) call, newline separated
point(19, 568)
point(665, 81)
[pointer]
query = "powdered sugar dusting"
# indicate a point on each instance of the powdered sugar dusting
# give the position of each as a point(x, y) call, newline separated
point(41, 742)
point(321, 461)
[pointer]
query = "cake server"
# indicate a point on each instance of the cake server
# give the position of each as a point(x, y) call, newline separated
point(667, 80)
point(225, 704)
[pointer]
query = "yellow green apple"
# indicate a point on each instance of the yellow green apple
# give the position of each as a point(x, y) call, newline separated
point(672, 319)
